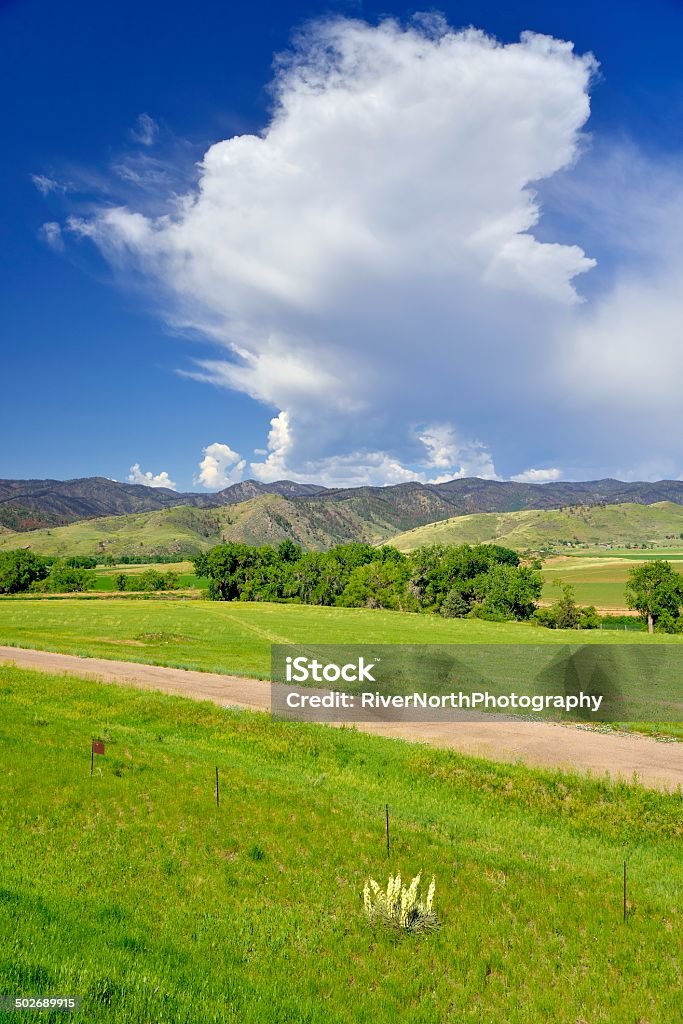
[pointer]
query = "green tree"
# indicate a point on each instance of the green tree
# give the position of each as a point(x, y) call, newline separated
point(20, 569)
point(171, 580)
point(508, 591)
point(305, 576)
point(454, 605)
point(438, 568)
point(288, 551)
point(566, 612)
point(656, 591)
point(379, 584)
point(229, 567)
point(81, 562)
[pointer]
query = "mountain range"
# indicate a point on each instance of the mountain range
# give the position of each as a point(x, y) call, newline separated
point(96, 515)
point(32, 504)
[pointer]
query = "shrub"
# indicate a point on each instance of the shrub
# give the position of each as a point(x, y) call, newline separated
point(63, 580)
point(454, 605)
point(544, 617)
point(147, 581)
point(589, 618)
point(399, 907)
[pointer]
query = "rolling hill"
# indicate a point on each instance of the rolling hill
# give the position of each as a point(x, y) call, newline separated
point(556, 529)
point(183, 530)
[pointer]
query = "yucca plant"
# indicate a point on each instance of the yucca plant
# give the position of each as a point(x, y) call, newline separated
point(401, 907)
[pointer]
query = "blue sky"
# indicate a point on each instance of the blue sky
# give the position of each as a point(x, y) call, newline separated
point(103, 332)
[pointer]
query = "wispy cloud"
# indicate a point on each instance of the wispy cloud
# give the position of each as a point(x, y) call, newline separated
point(46, 185)
point(51, 233)
point(146, 130)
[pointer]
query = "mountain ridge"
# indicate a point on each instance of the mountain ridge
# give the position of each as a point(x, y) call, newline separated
point(31, 504)
point(185, 530)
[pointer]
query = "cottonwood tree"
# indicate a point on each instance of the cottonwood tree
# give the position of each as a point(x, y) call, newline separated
point(656, 591)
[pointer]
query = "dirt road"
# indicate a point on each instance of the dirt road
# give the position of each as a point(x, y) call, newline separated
point(657, 765)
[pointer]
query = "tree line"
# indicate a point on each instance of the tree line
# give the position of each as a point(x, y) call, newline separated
point(22, 570)
point(484, 580)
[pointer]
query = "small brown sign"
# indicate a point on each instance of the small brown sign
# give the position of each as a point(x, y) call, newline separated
point(97, 747)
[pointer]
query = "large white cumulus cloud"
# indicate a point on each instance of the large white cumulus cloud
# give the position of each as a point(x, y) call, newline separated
point(150, 479)
point(368, 263)
point(219, 467)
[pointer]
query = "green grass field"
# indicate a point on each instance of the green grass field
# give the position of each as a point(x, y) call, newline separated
point(638, 555)
point(600, 580)
point(104, 578)
point(133, 890)
point(236, 637)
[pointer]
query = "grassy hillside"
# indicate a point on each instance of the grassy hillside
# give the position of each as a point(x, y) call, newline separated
point(267, 519)
point(374, 515)
point(557, 529)
point(181, 530)
point(184, 530)
point(133, 890)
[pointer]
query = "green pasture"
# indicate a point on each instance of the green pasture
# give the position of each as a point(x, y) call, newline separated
point(237, 636)
point(135, 891)
point(600, 580)
point(638, 555)
point(104, 578)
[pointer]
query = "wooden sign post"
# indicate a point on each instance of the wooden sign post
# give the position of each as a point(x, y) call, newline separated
point(96, 747)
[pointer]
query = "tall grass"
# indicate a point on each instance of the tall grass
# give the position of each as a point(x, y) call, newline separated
point(132, 889)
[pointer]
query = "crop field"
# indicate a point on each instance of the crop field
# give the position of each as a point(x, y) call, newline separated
point(637, 555)
point(237, 637)
point(136, 891)
point(599, 580)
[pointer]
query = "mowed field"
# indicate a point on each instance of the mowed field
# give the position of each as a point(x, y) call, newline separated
point(135, 891)
point(236, 637)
